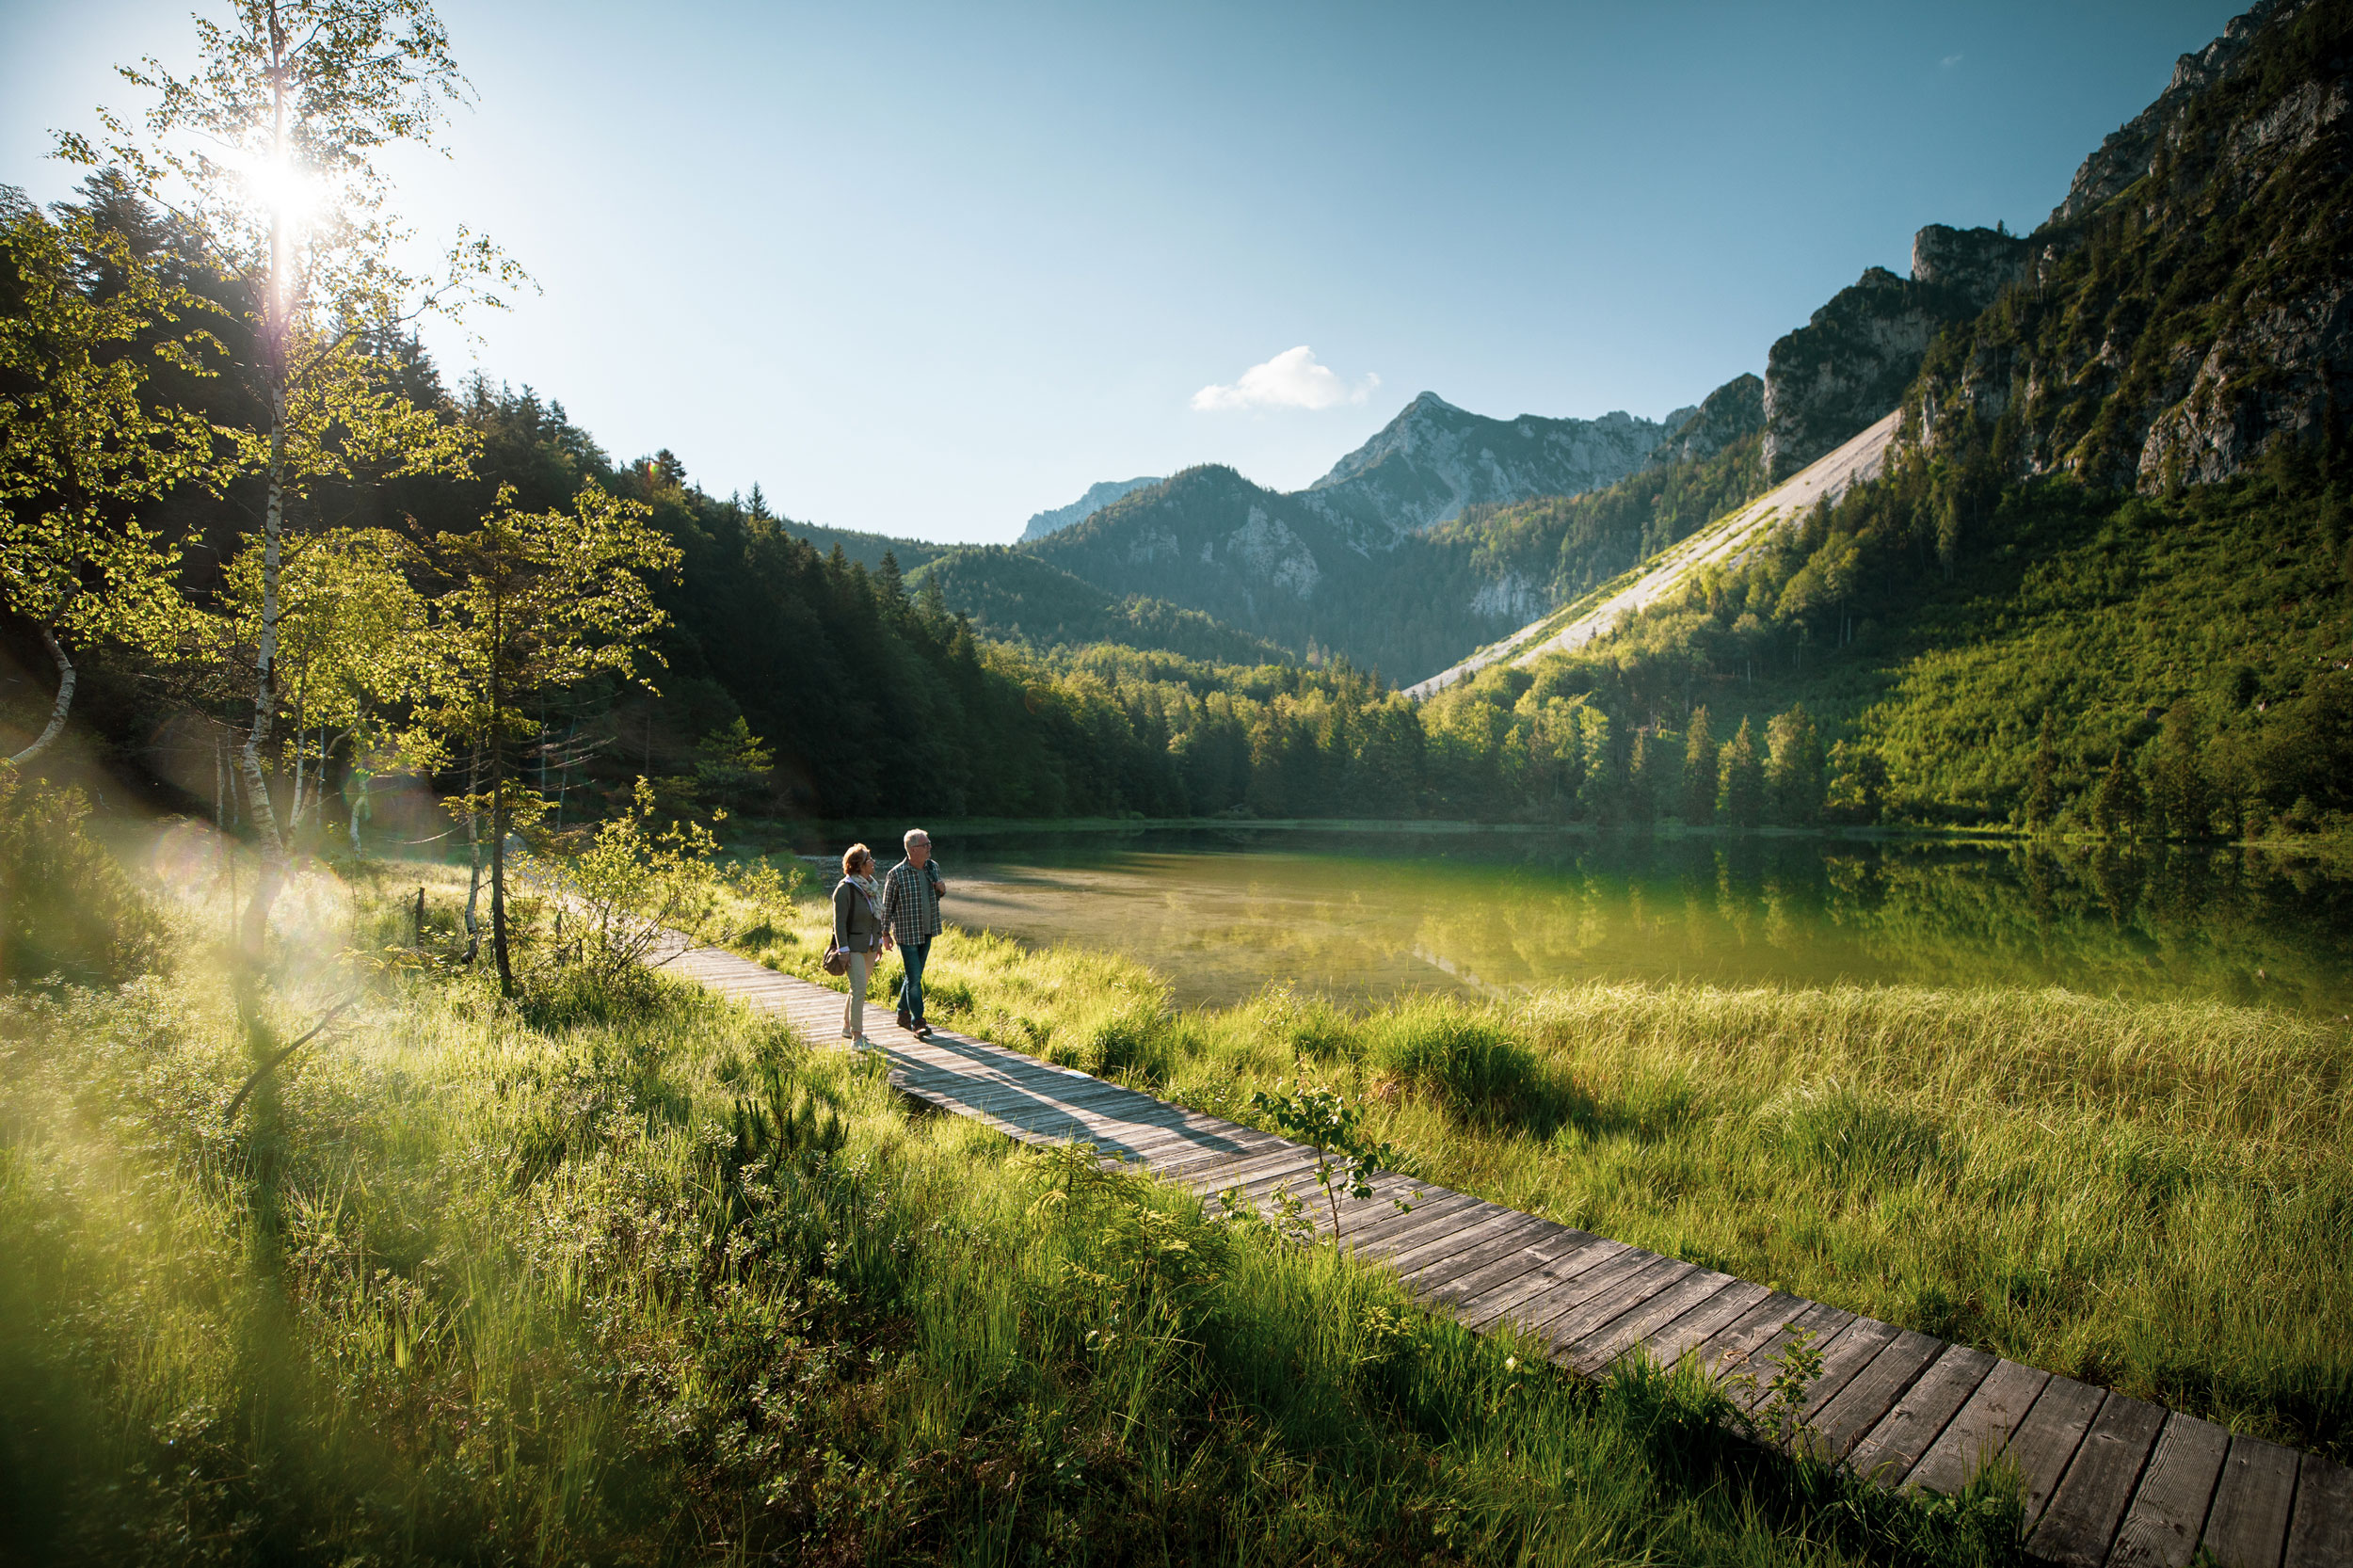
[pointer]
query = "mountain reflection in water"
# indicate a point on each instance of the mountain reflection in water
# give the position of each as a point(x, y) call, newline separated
point(1359, 917)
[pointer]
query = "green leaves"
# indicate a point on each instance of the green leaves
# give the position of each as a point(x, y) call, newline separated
point(79, 444)
point(1333, 1125)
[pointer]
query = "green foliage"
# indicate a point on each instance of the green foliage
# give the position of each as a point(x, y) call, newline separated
point(1333, 1125)
point(67, 907)
point(639, 879)
point(1012, 595)
point(1740, 794)
point(732, 766)
point(546, 1292)
point(84, 315)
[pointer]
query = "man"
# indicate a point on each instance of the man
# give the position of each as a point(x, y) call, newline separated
point(910, 918)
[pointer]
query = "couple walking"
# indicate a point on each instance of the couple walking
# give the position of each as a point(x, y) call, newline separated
point(870, 919)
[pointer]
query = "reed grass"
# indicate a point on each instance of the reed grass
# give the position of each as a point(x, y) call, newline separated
point(639, 1278)
point(2156, 1197)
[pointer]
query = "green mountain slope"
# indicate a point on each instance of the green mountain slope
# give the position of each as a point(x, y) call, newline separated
point(2181, 331)
point(1015, 597)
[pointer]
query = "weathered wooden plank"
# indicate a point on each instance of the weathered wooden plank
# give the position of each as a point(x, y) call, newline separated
point(2047, 1439)
point(2168, 1510)
point(1378, 1229)
point(1597, 1349)
point(1604, 1304)
point(1217, 1151)
point(1218, 1175)
point(1847, 1344)
point(1731, 1352)
point(1698, 1322)
point(2248, 1526)
point(1475, 1298)
point(1870, 1393)
point(2076, 1529)
point(1405, 1258)
point(1430, 1276)
point(1982, 1430)
point(1544, 1296)
point(2321, 1533)
point(1889, 1450)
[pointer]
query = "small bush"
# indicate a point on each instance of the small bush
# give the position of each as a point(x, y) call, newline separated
point(1466, 1061)
point(1857, 1140)
point(67, 907)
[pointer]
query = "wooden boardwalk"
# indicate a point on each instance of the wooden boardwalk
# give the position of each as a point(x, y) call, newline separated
point(2108, 1480)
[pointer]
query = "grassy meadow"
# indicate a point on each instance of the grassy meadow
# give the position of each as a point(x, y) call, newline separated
point(617, 1273)
point(2154, 1197)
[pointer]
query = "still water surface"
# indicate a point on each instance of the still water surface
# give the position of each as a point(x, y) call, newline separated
point(1360, 917)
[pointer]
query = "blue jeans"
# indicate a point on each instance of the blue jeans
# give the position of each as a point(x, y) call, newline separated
point(911, 984)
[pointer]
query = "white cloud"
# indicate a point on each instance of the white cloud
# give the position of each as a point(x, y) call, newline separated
point(1292, 379)
point(1949, 62)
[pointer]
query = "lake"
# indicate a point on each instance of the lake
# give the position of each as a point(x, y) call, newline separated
point(1361, 917)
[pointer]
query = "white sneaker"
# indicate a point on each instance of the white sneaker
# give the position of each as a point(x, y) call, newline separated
point(861, 1043)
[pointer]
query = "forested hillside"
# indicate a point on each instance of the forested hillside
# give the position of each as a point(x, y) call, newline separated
point(2106, 583)
point(1017, 597)
point(2102, 584)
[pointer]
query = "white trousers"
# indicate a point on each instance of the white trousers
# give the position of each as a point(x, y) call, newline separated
point(854, 1009)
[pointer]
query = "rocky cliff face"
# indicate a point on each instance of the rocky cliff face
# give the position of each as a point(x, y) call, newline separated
point(1349, 561)
point(1097, 498)
point(1735, 409)
point(2191, 304)
point(1851, 363)
point(1287, 567)
point(1434, 459)
point(2125, 156)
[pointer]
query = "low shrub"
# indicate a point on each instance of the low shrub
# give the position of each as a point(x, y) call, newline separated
point(1461, 1056)
point(67, 906)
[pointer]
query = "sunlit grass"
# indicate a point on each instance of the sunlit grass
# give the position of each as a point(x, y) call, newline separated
point(644, 1279)
point(2152, 1196)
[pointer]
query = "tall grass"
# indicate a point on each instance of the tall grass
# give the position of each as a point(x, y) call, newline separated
point(2152, 1197)
point(640, 1278)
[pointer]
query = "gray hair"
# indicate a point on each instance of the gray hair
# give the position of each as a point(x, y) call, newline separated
point(908, 839)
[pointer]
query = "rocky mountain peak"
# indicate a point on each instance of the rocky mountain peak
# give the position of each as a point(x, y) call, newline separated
point(2129, 151)
point(1434, 459)
point(1974, 264)
point(1735, 409)
point(1097, 497)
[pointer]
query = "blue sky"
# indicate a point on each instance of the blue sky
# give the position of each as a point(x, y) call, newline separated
point(928, 269)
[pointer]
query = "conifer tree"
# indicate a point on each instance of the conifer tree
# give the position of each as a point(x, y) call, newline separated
point(2116, 805)
point(1699, 772)
point(1642, 778)
point(2181, 799)
point(1793, 772)
point(1741, 796)
point(2042, 785)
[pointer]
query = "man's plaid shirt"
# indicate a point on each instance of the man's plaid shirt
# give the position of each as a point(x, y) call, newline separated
point(910, 903)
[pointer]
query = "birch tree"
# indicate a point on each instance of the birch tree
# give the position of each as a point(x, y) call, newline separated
point(532, 602)
point(80, 449)
point(269, 156)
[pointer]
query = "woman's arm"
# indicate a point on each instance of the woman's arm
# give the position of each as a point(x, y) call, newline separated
point(842, 896)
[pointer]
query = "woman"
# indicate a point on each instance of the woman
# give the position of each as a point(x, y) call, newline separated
point(857, 929)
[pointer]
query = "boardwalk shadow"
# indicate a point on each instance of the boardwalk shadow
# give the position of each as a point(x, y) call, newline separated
point(1023, 1092)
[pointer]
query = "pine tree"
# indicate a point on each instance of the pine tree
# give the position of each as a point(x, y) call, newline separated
point(1642, 777)
point(1740, 796)
point(2116, 804)
point(2181, 799)
point(2042, 787)
point(1793, 774)
point(1699, 772)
